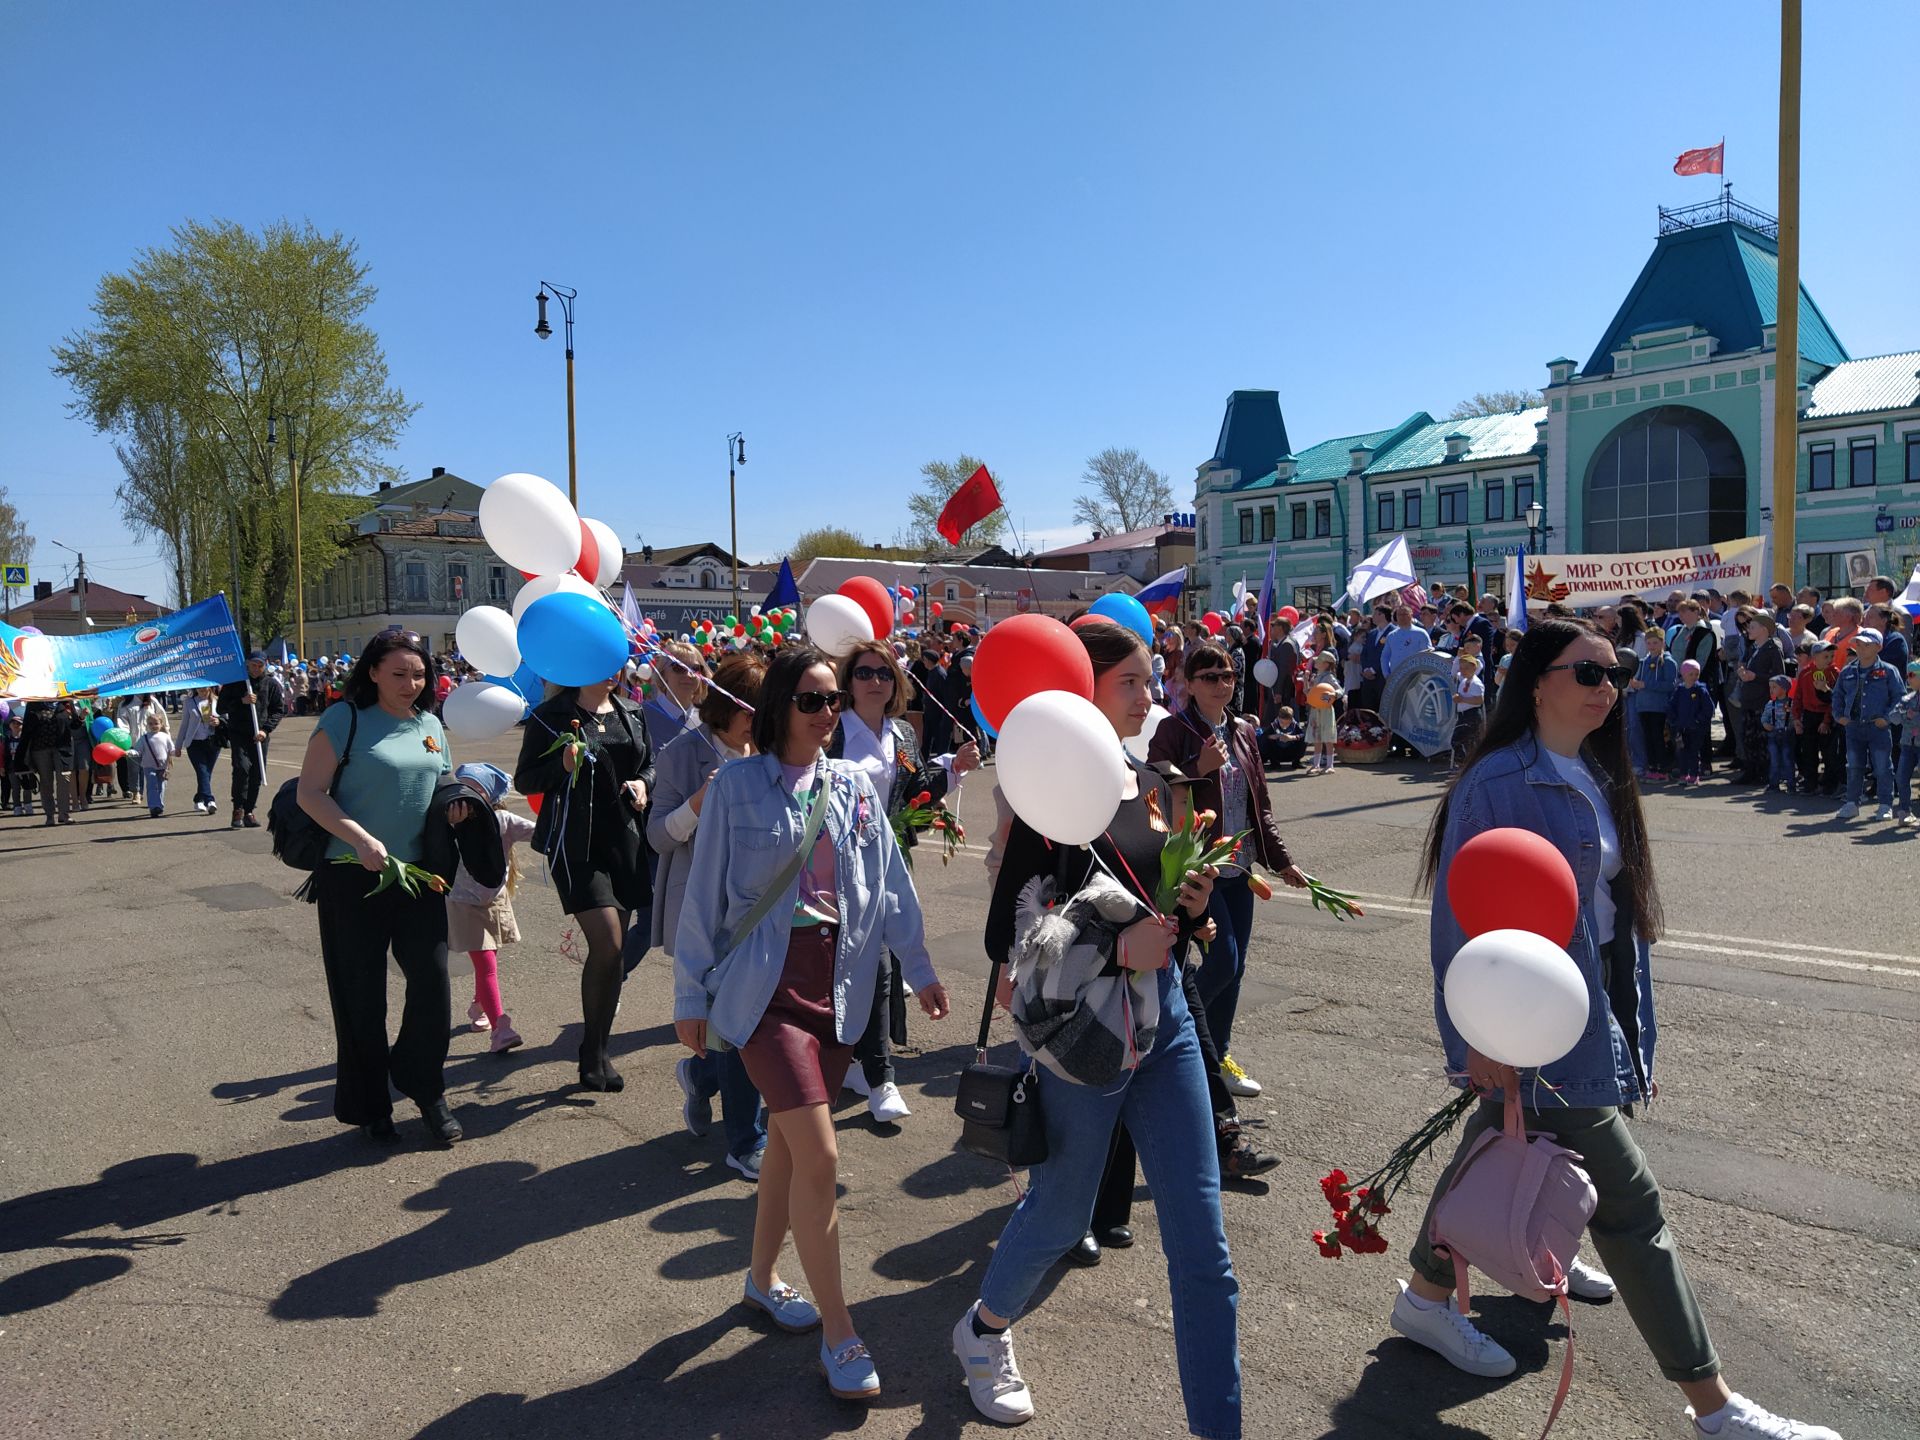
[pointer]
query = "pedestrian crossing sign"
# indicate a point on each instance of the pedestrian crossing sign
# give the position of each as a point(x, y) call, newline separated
point(15, 576)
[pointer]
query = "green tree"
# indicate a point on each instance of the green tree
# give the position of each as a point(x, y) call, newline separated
point(196, 355)
point(830, 540)
point(1494, 402)
point(1124, 493)
point(938, 481)
point(16, 545)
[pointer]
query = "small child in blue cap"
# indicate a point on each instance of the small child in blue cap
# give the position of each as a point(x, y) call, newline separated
point(480, 918)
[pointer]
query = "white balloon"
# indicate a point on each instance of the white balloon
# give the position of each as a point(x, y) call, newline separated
point(530, 525)
point(541, 588)
point(480, 710)
point(611, 556)
point(836, 624)
point(1137, 744)
point(1517, 997)
point(1265, 672)
point(485, 636)
point(1059, 767)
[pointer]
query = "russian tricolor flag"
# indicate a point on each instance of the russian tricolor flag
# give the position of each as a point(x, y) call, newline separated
point(1164, 593)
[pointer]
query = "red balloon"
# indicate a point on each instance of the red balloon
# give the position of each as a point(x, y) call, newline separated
point(106, 753)
point(871, 596)
point(1213, 622)
point(1288, 614)
point(1022, 656)
point(1513, 879)
point(588, 565)
point(535, 801)
point(935, 608)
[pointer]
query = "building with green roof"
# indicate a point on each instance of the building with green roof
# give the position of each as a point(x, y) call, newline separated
point(1662, 439)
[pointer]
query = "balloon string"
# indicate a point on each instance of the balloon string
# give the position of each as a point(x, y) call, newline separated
point(652, 651)
point(1146, 896)
point(927, 693)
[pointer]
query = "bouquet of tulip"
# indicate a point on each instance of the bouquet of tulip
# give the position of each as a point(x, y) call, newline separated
point(1359, 1205)
point(923, 815)
point(1189, 848)
point(410, 878)
point(574, 741)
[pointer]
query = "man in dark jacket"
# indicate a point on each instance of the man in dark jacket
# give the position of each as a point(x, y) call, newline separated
point(249, 711)
point(54, 739)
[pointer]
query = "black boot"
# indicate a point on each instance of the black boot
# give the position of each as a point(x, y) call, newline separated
point(440, 1122)
point(599, 998)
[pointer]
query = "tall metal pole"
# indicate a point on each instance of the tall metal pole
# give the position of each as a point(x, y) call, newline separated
point(573, 447)
point(1786, 349)
point(736, 445)
point(299, 564)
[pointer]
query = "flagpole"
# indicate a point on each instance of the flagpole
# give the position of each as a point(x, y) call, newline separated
point(1786, 347)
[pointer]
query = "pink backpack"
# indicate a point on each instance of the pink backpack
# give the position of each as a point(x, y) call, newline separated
point(1516, 1208)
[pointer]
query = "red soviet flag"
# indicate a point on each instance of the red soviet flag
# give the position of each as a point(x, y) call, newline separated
point(1702, 162)
point(968, 506)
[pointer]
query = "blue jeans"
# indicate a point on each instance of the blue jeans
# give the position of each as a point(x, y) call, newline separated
point(1903, 778)
point(1163, 1104)
point(200, 754)
point(1868, 743)
point(1225, 961)
point(722, 1073)
point(156, 789)
point(1780, 757)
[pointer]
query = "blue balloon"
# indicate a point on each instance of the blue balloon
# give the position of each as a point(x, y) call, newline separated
point(981, 720)
point(530, 687)
point(1124, 610)
point(572, 639)
point(101, 724)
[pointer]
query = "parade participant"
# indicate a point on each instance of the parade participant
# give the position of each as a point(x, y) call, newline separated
point(249, 711)
point(682, 780)
point(1848, 615)
point(480, 918)
point(16, 768)
point(1892, 624)
point(590, 831)
point(1817, 738)
point(200, 739)
point(872, 735)
point(1864, 693)
point(1174, 649)
point(1905, 718)
point(379, 810)
point(1689, 714)
point(1323, 727)
point(154, 751)
point(1469, 709)
point(54, 735)
point(1776, 723)
point(1762, 661)
point(797, 892)
point(131, 716)
point(1219, 749)
point(676, 693)
point(1162, 1101)
point(1799, 618)
point(1553, 760)
point(1652, 691)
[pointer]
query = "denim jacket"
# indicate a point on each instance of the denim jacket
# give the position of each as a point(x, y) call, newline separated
point(748, 830)
point(1612, 1063)
point(1906, 714)
point(1876, 689)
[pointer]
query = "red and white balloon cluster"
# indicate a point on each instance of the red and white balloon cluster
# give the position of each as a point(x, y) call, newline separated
point(560, 626)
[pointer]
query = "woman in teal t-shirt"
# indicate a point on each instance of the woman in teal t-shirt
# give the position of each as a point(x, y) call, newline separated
point(397, 756)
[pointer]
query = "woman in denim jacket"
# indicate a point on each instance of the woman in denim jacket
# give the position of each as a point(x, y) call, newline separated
point(1553, 760)
point(795, 992)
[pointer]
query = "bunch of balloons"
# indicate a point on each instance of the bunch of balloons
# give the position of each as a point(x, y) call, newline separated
point(111, 742)
point(1512, 991)
point(861, 610)
point(561, 628)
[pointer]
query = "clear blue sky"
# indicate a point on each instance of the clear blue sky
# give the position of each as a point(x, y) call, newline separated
point(873, 234)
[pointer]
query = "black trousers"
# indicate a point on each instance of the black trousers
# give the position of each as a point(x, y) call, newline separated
point(357, 929)
point(1113, 1202)
point(1818, 756)
point(886, 1026)
point(246, 775)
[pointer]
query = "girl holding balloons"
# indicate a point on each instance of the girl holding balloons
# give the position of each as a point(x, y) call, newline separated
point(585, 753)
point(1163, 1101)
point(1552, 760)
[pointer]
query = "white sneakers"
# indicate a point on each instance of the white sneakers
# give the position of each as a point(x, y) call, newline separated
point(1885, 812)
point(1741, 1419)
point(1846, 811)
point(993, 1378)
point(856, 1080)
point(505, 1037)
point(1586, 1283)
point(1451, 1335)
point(1237, 1081)
point(886, 1103)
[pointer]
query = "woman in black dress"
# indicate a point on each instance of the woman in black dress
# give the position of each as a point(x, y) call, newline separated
point(592, 829)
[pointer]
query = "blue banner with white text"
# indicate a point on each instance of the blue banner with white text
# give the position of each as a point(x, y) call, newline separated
point(185, 650)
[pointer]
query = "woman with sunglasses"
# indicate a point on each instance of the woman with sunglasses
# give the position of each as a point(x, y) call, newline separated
point(591, 829)
point(796, 894)
point(872, 735)
point(1162, 1102)
point(1553, 760)
point(1208, 741)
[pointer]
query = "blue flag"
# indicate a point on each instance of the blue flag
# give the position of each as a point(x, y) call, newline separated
point(1266, 591)
point(784, 592)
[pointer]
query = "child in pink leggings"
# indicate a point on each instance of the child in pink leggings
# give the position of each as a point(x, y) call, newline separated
point(479, 919)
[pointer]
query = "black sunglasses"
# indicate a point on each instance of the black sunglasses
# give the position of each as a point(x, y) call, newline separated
point(812, 702)
point(872, 672)
point(1216, 677)
point(1592, 674)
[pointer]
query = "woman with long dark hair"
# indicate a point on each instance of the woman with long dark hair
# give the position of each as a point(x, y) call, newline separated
point(1553, 760)
point(396, 758)
point(796, 894)
point(1162, 1102)
point(591, 831)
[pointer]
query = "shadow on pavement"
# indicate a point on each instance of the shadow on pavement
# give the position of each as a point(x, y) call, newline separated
point(55, 1281)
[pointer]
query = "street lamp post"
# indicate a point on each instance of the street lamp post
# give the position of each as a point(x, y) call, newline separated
point(545, 331)
point(79, 577)
point(299, 567)
point(1536, 514)
point(736, 455)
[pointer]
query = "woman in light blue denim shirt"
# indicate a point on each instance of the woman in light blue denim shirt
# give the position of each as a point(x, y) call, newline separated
point(795, 992)
point(1554, 761)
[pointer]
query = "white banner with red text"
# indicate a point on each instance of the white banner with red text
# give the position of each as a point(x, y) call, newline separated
point(1583, 581)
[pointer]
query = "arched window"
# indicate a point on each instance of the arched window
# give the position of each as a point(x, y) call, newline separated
point(706, 579)
point(1668, 478)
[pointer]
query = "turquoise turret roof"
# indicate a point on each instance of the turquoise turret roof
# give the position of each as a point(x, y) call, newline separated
point(1509, 434)
point(1723, 277)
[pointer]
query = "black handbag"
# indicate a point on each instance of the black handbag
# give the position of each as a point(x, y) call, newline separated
point(298, 840)
point(999, 1107)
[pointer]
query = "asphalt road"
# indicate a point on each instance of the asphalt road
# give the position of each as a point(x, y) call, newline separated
point(191, 1246)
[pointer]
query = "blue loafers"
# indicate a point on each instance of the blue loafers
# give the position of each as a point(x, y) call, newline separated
point(785, 1306)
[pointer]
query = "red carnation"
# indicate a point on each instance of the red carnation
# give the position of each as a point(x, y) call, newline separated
point(1328, 1248)
point(925, 797)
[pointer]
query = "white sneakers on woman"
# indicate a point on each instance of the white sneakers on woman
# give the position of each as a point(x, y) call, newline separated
point(886, 1104)
point(1741, 1419)
point(993, 1377)
point(1451, 1335)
